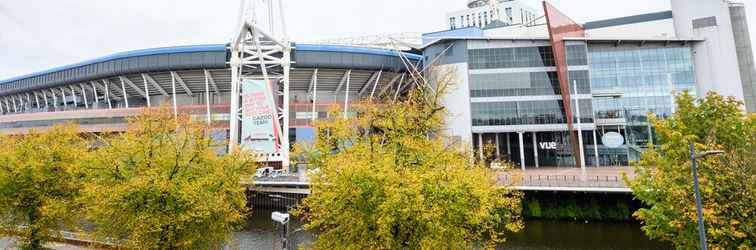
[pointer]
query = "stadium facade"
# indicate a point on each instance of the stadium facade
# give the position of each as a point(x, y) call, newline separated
point(541, 88)
point(101, 94)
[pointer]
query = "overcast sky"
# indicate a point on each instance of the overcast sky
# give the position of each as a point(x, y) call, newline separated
point(39, 34)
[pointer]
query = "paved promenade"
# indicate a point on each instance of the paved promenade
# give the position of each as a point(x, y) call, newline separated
point(605, 179)
point(10, 244)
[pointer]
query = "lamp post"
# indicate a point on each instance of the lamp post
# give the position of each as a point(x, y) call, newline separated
point(283, 219)
point(693, 157)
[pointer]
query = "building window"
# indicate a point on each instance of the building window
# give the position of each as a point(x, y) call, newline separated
point(485, 16)
point(577, 55)
point(525, 113)
point(524, 57)
point(646, 77)
point(452, 23)
point(468, 21)
point(508, 11)
point(514, 84)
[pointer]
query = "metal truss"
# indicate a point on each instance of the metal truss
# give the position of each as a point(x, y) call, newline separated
point(256, 54)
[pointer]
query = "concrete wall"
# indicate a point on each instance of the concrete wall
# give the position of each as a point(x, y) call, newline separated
point(653, 29)
point(715, 59)
point(457, 98)
point(745, 54)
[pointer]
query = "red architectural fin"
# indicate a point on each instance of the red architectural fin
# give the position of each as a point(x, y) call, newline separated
point(561, 26)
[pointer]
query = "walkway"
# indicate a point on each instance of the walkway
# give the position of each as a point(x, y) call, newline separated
point(10, 243)
point(603, 180)
point(606, 179)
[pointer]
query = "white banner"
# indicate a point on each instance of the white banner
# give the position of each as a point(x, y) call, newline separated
point(260, 129)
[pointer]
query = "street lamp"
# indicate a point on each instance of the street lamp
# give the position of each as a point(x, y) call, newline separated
point(283, 219)
point(693, 157)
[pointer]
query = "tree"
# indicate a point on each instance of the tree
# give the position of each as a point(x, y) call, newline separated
point(39, 183)
point(389, 179)
point(161, 185)
point(663, 179)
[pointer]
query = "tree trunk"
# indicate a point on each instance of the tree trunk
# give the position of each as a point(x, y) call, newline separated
point(34, 241)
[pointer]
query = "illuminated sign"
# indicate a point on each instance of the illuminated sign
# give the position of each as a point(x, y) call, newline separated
point(548, 145)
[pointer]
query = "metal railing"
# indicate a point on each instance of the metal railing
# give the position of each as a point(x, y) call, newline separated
point(589, 181)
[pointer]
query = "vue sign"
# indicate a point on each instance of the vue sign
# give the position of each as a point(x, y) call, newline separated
point(548, 145)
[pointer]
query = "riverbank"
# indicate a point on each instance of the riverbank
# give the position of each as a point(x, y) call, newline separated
point(579, 206)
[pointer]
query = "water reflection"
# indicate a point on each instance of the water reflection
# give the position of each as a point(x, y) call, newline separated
point(262, 233)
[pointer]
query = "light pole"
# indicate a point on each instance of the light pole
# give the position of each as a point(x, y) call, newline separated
point(283, 219)
point(693, 157)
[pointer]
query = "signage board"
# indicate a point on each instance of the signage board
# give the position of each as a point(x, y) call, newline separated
point(613, 140)
point(260, 130)
point(548, 145)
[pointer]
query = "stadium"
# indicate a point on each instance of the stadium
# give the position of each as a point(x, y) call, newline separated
point(545, 90)
point(100, 94)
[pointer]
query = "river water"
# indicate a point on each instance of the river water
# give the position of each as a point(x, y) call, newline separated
point(262, 233)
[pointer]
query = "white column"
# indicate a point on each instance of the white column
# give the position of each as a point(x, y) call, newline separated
point(315, 95)
point(509, 147)
point(346, 94)
point(173, 89)
point(73, 95)
point(123, 90)
point(36, 99)
point(207, 99)
point(65, 102)
point(15, 106)
point(522, 150)
point(84, 96)
point(480, 146)
point(285, 143)
point(47, 104)
point(146, 91)
point(535, 149)
point(233, 142)
point(498, 155)
point(107, 94)
point(595, 148)
point(96, 98)
point(579, 128)
point(375, 85)
point(55, 100)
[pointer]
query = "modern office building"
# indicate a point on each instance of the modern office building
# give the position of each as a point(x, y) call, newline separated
point(559, 93)
point(486, 13)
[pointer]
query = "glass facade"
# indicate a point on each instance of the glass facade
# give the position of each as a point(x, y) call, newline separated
point(518, 57)
point(640, 80)
point(644, 76)
point(618, 85)
point(524, 113)
point(514, 84)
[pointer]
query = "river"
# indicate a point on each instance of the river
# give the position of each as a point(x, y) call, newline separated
point(262, 233)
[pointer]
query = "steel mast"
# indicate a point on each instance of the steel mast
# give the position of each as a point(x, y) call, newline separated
point(258, 54)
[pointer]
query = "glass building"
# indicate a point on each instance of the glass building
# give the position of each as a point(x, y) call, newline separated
point(636, 81)
point(516, 102)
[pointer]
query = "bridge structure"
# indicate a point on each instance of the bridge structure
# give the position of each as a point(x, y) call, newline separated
point(594, 180)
